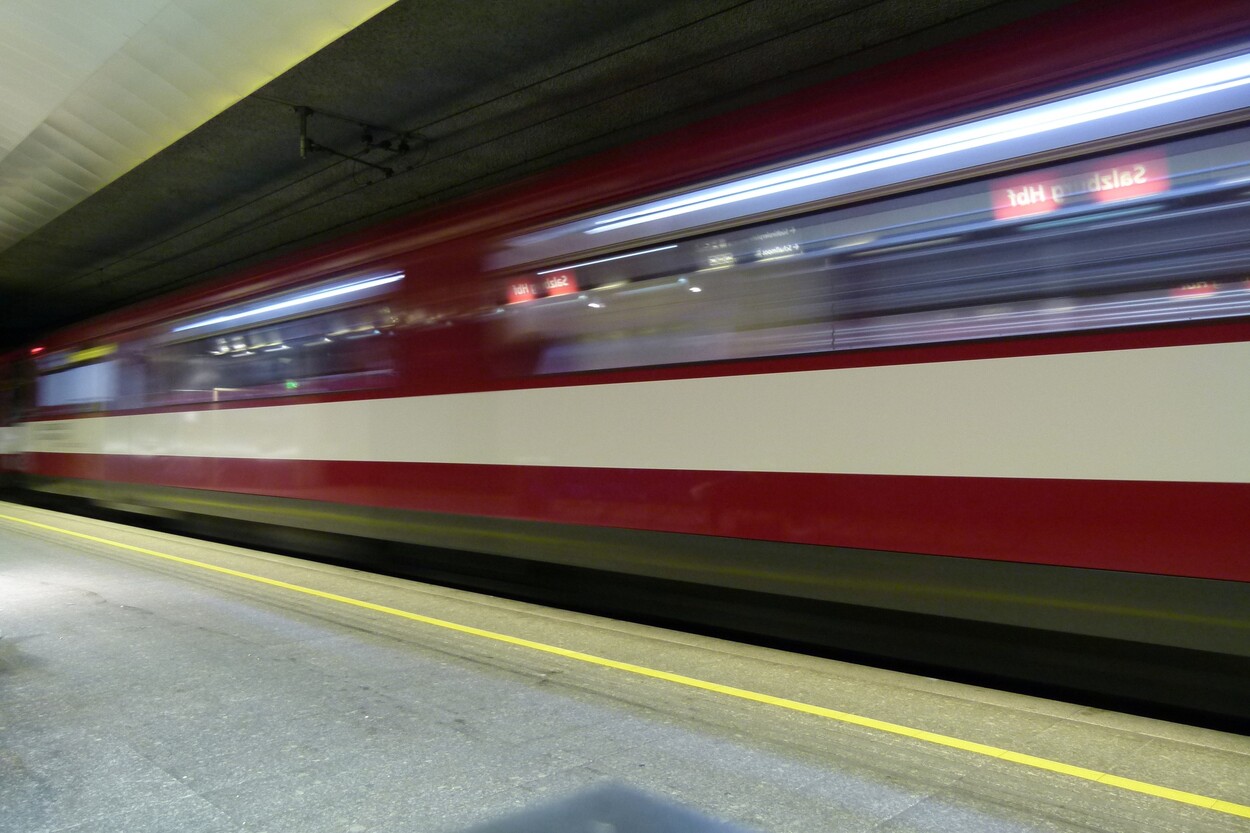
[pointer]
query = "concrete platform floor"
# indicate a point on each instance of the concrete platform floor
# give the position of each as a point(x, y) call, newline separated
point(143, 693)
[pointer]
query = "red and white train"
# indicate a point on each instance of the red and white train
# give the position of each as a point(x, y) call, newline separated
point(966, 337)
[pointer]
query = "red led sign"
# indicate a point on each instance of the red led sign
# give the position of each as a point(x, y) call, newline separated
point(520, 290)
point(560, 283)
point(1109, 179)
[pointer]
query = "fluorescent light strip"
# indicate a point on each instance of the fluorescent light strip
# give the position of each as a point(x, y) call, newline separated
point(606, 259)
point(1088, 107)
point(297, 301)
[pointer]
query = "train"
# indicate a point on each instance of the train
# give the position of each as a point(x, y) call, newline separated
point(946, 361)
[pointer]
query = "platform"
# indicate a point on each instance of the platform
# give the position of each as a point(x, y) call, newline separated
point(155, 683)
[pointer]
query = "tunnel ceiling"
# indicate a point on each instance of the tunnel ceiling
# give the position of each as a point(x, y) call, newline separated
point(484, 91)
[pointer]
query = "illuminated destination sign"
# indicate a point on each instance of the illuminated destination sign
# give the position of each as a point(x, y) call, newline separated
point(1108, 179)
point(521, 290)
point(547, 284)
point(56, 361)
point(560, 283)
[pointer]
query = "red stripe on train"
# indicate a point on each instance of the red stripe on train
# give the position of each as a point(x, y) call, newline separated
point(1181, 529)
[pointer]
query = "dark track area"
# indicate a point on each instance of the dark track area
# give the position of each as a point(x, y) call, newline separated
point(1199, 689)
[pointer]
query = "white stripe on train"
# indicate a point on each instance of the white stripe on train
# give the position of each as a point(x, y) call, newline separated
point(1163, 414)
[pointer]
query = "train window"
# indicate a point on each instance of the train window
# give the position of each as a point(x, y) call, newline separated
point(328, 337)
point(347, 349)
point(77, 380)
point(1134, 237)
point(93, 384)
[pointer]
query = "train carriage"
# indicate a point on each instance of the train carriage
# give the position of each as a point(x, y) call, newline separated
point(977, 359)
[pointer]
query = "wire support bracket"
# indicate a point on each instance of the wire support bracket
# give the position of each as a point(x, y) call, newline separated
point(396, 142)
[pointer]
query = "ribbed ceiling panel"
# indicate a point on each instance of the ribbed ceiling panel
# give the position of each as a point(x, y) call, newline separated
point(88, 90)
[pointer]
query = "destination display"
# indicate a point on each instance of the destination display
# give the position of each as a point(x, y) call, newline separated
point(1109, 179)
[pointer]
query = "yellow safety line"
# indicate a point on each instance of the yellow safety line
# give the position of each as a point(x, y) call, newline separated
point(1094, 775)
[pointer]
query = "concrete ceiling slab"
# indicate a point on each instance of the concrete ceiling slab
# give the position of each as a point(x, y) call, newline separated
point(88, 91)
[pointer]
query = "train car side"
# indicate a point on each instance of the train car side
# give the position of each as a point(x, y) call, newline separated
point(991, 383)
